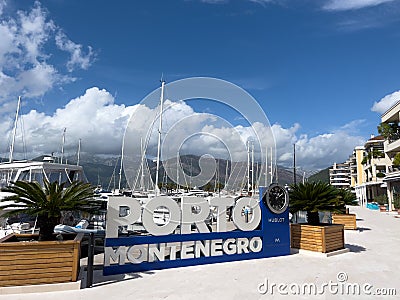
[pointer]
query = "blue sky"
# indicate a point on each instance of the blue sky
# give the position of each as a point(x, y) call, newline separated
point(315, 67)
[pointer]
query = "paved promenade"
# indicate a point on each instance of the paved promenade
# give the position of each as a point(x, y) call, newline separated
point(373, 263)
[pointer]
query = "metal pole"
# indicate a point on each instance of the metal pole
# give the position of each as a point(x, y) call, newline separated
point(159, 137)
point(272, 174)
point(79, 152)
point(294, 163)
point(177, 172)
point(89, 268)
point(62, 145)
point(121, 165)
point(14, 131)
point(142, 166)
point(248, 167)
point(266, 166)
point(252, 168)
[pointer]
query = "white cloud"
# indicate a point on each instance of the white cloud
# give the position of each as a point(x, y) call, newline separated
point(25, 62)
point(42, 77)
point(323, 150)
point(78, 57)
point(386, 102)
point(315, 152)
point(33, 32)
point(2, 5)
point(93, 117)
point(100, 124)
point(352, 4)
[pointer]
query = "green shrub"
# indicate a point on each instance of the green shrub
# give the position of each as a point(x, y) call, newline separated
point(396, 159)
point(396, 201)
point(381, 199)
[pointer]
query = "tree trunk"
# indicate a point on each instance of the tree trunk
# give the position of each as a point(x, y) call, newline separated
point(46, 227)
point(312, 218)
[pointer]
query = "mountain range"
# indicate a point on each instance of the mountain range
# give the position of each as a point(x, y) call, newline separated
point(104, 170)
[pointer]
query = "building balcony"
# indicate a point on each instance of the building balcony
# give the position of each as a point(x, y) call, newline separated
point(340, 184)
point(339, 180)
point(393, 146)
point(392, 114)
point(375, 179)
point(380, 161)
point(340, 174)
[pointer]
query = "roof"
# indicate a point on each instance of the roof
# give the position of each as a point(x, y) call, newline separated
point(377, 138)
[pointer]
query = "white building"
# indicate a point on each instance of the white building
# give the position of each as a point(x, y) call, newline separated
point(339, 175)
point(391, 148)
point(374, 165)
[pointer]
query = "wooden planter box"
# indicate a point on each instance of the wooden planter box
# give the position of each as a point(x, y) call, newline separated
point(26, 262)
point(348, 220)
point(382, 208)
point(321, 238)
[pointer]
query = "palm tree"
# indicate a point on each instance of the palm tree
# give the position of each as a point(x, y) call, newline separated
point(346, 197)
point(49, 203)
point(313, 197)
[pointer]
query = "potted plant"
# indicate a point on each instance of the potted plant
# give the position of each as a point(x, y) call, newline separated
point(380, 175)
point(345, 197)
point(382, 201)
point(43, 258)
point(313, 197)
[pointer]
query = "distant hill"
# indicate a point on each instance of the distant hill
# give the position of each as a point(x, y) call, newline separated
point(285, 176)
point(100, 171)
point(322, 175)
point(104, 170)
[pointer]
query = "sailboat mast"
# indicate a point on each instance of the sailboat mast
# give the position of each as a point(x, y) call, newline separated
point(272, 175)
point(159, 136)
point(14, 130)
point(142, 165)
point(120, 167)
point(62, 145)
point(177, 172)
point(294, 164)
point(79, 152)
point(252, 168)
point(216, 180)
point(226, 174)
point(266, 166)
point(248, 166)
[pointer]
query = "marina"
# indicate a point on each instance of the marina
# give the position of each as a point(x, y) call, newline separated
point(202, 149)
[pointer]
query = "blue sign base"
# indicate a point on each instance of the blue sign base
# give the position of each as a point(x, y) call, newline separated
point(274, 233)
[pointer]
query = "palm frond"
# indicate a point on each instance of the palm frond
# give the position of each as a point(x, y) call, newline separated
point(49, 202)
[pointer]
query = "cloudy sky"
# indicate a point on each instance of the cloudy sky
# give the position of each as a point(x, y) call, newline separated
point(323, 71)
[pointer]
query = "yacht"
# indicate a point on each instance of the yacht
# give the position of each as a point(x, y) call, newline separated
point(39, 170)
point(32, 171)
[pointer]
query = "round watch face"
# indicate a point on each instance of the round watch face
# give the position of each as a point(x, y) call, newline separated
point(277, 199)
